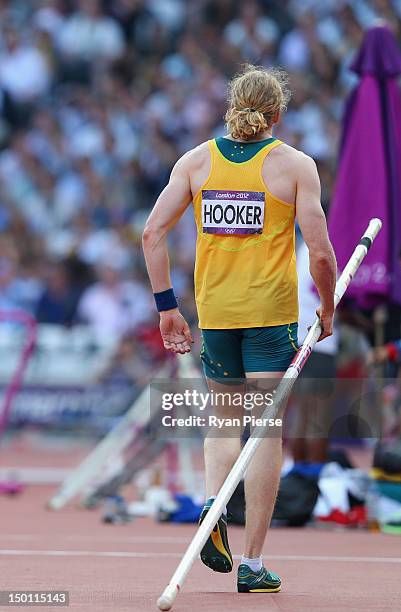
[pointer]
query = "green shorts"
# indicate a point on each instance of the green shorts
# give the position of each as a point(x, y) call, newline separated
point(229, 353)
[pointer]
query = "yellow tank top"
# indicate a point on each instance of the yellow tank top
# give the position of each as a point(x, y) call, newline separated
point(245, 273)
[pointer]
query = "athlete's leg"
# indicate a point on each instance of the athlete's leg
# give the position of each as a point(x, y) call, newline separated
point(223, 446)
point(267, 352)
point(262, 477)
point(222, 359)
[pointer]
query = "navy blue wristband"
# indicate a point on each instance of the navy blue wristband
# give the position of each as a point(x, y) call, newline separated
point(165, 300)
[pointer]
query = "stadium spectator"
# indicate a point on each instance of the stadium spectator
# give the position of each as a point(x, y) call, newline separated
point(25, 75)
point(58, 302)
point(254, 33)
point(8, 290)
point(114, 306)
point(91, 35)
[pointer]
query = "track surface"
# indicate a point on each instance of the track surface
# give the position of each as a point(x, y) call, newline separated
point(126, 567)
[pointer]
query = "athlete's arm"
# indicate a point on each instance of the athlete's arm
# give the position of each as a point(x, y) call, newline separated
point(312, 222)
point(169, 207)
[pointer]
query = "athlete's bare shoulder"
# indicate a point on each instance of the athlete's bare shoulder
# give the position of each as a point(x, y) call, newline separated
point(196, 165)
point(195, 158)
point(294, 160)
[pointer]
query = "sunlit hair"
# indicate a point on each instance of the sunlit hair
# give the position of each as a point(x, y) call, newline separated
point(256, 95)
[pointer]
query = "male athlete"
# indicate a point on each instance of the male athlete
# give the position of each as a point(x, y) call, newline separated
point(247, 188)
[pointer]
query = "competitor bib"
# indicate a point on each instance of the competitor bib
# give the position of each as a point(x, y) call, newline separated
point(232, 212)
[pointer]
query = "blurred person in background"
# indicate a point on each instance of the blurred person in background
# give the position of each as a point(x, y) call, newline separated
point(25, 75)
point(8, 285)
point(57, 304)
point(90, 35)
point(19, 285)
point(313, 406)
point(20, 272)
point(113, 306)
point(389, 353)
point(254, 33)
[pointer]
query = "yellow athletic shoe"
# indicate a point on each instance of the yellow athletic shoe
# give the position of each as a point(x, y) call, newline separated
point(216, 552)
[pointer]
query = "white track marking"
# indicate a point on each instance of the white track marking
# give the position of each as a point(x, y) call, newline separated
point(89, 538)
point(171, 555)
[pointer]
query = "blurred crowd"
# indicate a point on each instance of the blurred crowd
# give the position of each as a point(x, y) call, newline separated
point(98, 99)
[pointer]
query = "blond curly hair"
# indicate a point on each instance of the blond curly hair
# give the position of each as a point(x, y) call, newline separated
point(256, 96)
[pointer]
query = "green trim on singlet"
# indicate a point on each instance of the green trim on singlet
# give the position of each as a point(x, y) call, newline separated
point(239, 152)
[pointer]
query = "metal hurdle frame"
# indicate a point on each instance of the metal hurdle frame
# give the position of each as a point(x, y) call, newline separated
point(110, 446)
point(179, 464)
point(26, 320)
point(81, 479)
